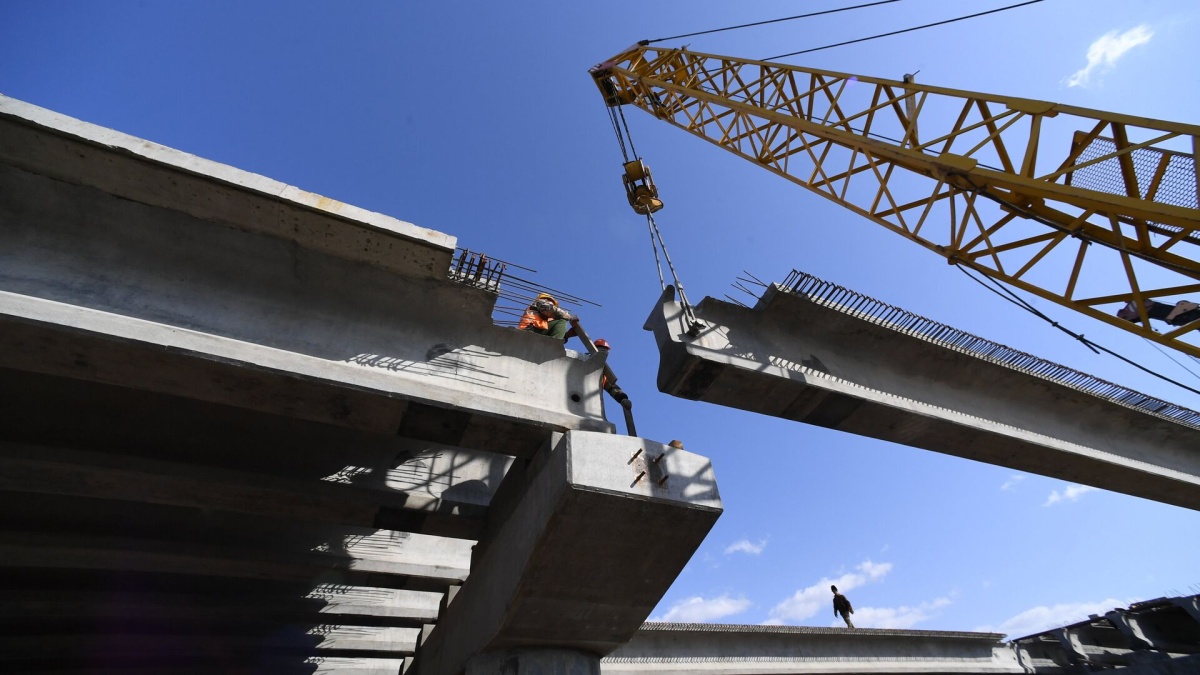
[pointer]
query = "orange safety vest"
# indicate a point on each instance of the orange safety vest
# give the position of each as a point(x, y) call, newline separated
point(533, 319)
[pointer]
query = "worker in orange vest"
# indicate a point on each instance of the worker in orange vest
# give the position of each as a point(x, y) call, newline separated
point(545, 317)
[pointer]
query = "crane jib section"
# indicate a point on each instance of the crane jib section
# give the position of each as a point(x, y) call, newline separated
point(1091, 210)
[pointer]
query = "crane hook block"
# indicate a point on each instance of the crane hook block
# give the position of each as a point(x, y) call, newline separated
point(640, 189)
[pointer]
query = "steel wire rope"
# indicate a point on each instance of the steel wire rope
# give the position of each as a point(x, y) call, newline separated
point(654, 247)
point(762, 23)
point(624, 123)
point(1160, 351)
point(612, 117)
point(904, 30)
point(683, 300)
point(1008, 295)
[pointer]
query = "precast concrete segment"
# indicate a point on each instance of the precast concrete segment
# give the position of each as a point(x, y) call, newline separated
point(56, 471)
point(509, 405)
point(1153, 637)
point(580, 546)
point(534, 661)
point(300, 557)
point(725, 649)
point(390, 606)
point(209, 442)
point(48, 144)
point(382, 640)
point(792, 358)
point(95, 220)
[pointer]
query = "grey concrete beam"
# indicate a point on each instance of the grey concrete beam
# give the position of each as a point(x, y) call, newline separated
point(534, 661)
point(1153, 637)
point(793, 358)
point(51, 338)
point(259, 296)
point(353, 555)
point(313, 665)
point(299, 639)
point(56, 471)
point(46, 143)
point(324, 603)
point(722, 649)
point(594, 530)
point(131, 425)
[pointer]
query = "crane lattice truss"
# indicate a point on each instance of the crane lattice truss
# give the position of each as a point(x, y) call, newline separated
point(1085, 208)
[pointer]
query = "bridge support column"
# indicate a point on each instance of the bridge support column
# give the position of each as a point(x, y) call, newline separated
point(581, 543)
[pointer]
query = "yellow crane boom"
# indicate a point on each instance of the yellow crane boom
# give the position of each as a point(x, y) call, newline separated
point(1085, 208)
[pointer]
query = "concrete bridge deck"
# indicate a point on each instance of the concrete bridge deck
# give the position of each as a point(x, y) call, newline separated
point(825, 357)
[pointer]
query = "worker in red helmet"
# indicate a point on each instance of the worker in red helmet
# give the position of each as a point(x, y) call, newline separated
point(608, 381)
point(545, 317)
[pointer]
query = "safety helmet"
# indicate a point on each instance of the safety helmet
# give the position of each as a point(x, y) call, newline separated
point(547, 296)
point(602, 344)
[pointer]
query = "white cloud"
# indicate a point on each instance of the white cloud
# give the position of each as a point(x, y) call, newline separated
point(806, 602)
point(875, 571)
point(1042, 618)
point(746, 546)
point(1012, 481)
point(1072, 493)
point(1104, 53)
point(894, 617)
point(698, 610)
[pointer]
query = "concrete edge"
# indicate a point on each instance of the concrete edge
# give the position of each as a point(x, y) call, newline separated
point(667, 627)
point(56, 123)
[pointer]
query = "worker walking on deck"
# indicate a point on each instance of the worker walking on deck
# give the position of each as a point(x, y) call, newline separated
point(841, 605)
point(545, 317)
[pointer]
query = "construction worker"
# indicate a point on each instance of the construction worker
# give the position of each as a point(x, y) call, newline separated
point(545, 317)
point(1182, 313)
point(841, 605)
point(610, 384)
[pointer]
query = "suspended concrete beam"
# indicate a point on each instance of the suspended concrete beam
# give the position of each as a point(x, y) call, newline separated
point(812, 360)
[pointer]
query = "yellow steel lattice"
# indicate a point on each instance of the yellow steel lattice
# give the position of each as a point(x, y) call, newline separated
point(1085, 208)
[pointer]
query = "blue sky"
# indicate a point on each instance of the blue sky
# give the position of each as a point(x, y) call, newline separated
point(480, 120)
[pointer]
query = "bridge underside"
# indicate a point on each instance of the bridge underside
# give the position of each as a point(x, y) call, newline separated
point(806, 357)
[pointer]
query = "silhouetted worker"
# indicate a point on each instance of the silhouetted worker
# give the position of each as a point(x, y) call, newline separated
point(841, 605)
point(609, 384)
point(545, 317)
point(1183, 312)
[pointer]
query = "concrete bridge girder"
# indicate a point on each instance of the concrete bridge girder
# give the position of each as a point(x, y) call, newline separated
point(797, 359)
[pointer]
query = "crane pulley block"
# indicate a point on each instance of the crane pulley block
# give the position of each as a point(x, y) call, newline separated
point(640, 188)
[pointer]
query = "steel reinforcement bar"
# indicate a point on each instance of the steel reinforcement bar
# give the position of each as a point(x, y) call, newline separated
point(880, 313)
